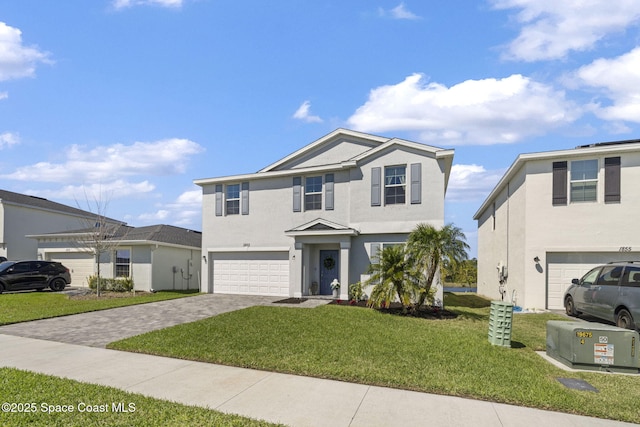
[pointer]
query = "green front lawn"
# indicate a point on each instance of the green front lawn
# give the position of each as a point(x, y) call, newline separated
point(25, 306)
point(452, 357)
point(42, 400)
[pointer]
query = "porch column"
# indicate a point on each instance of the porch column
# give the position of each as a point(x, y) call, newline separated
point(297, 286)
point(344, 269)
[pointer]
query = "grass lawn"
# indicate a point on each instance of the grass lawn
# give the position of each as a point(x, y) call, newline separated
point(451, 357)
point(25, 306)
point(42, 393)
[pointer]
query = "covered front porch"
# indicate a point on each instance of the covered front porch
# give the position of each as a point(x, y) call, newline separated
point(321, 256)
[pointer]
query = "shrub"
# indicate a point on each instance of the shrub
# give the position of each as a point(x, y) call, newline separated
point(356, 292)
point(119, 284)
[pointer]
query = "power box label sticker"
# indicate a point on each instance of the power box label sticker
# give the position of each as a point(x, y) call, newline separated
point(603, 353)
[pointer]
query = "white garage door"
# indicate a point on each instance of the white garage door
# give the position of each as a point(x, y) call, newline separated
point(564, 266)
point(251, 273)
point(80, 265)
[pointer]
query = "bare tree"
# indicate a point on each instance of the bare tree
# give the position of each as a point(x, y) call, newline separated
point(99, 234)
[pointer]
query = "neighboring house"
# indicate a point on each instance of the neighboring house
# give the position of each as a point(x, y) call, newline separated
point(319, 214)
point(21, 215)
point(553, 216)
point(158, 257)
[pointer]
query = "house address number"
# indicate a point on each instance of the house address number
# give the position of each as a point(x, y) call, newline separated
point(625, 249)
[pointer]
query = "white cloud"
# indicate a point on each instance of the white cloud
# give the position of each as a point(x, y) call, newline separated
point(3, 95)
point(485, 111)
point(123, 4)
point(105, 163)
point(102, 192)
point(551, 28)
point(185, 211)
point(7, 139)
point(399, 12)
point(619, 79)
point(16, 60)
point(471, 182)
point(304, 113)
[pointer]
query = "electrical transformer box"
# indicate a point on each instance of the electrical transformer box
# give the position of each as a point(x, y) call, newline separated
point(593, 346)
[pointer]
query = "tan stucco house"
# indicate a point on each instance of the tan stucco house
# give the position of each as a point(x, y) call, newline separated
point(319, 214)
point(553, 216)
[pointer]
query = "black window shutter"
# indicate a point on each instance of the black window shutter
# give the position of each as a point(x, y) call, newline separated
point(612, 179)
point(559, 183)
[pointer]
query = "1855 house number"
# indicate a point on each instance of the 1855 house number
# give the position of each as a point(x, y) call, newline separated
point(625, 249)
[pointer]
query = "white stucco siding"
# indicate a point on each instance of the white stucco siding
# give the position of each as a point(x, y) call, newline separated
point(335, 152)
point(186, 274)
point(401, 217)
point(20, 221)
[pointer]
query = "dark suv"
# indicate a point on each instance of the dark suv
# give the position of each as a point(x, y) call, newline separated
point(21, 275)
point(610, 292)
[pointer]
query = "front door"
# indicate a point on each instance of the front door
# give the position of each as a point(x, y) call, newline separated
point(329, 270)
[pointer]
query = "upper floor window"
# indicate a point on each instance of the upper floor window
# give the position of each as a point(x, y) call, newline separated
point(123, 262)
point(313, 193)
point(395, 181)
point(233, 199)
point(584, 180)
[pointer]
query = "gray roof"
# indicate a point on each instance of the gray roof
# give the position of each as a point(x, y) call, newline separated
point(42, 203)
point(161, 233)
point(164, 234)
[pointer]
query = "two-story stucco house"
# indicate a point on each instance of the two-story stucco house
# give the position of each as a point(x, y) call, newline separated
point(21, 214)
point(553, 216)
point(319, 214)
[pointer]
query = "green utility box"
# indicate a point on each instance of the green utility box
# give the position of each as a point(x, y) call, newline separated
point(593, 346)
point(500, 323)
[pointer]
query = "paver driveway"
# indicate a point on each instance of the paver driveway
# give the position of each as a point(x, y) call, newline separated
point(98, 328)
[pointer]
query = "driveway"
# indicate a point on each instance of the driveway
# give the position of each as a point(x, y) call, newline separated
point(98, 328)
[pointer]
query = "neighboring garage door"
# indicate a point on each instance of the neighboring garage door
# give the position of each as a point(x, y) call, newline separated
point(564, 266)
point(251, 273)
point(80, 265)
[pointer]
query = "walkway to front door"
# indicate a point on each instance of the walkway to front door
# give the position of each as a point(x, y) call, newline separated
point(329, 270)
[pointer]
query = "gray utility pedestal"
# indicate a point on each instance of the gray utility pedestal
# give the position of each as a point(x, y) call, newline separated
point(593, 346)
point(500, 323)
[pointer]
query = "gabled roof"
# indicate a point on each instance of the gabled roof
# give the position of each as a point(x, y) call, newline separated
point(376, 145)
point(321, 226)
point(9, 197)
point(319, 143)
point(167, 234)
point(614, 147)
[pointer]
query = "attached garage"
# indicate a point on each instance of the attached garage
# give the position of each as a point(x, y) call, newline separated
point(80, 265)
point(562, 267)
point(251, 273)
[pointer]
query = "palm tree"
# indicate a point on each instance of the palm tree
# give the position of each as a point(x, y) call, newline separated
point(429, 247)
point(391, 277)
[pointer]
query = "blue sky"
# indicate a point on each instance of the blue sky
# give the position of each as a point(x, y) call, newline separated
point(129, 101)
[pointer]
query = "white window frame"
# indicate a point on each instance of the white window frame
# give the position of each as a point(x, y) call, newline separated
point(233, 202)
point(117, 264)
point(394, 185)
point(583, 180)
point(315, 195)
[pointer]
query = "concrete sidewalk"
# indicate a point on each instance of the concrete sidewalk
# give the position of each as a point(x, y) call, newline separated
point(287, 399)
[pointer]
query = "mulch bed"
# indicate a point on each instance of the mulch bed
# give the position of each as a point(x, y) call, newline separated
point(290, 301)
point(107, 295)
point(431, 313)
